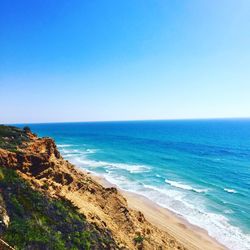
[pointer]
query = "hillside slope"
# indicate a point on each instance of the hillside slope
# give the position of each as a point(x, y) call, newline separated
point(100, 217)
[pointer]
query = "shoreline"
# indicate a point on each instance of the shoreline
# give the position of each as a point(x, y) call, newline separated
point(191, 236)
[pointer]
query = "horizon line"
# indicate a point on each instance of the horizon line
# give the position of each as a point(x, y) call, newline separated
point(133, 120)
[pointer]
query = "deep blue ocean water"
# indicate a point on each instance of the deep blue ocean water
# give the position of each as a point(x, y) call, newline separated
point(200, 169)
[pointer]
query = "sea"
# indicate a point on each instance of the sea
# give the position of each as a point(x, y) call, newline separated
point(198, 169)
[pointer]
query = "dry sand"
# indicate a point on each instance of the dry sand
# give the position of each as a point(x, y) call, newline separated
point(192, 237)
point(106, 207)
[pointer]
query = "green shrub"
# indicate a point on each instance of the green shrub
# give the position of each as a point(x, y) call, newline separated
point(138, 239)
point(45, 186)
point(12, 137)
point(39, 222)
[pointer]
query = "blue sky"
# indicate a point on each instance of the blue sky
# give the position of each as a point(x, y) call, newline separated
point(123, 60)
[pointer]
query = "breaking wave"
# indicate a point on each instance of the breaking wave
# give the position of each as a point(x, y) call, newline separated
point(172, 196)
point(184, 186)
point(230, 190)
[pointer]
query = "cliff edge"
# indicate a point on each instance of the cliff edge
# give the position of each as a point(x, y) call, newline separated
point(104, 211)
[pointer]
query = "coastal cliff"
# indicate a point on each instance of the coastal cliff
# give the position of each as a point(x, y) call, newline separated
point(64, 203)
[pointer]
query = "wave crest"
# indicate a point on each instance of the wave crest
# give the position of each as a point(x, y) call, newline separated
point(81, 157)
point(233, 191)
point(184, 186)
point(64, 145)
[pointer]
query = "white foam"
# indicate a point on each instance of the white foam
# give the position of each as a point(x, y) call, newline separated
point(184, 186)
point(173, 198)
point(65, 151)
point(218, 226)
point(230, 190)
point(132, 168)
point(67, 155)
point(228, 211)
point(168, 192)
point(91, 151)
point(64, 145)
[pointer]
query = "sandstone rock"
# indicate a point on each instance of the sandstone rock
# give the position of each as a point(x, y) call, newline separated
point(40, 163)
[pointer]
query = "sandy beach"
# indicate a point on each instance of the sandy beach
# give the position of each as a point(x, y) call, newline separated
point(130, 221)
point(191, 236)
point(125, 125)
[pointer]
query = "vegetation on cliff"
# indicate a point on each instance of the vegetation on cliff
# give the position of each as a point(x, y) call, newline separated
point(36, 220)
point(39, 222)
point(47, 203)
point(11, 137)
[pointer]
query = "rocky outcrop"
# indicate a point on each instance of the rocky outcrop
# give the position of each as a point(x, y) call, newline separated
point(39, 162)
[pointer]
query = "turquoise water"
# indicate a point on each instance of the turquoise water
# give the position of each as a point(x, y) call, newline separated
point(200, 169)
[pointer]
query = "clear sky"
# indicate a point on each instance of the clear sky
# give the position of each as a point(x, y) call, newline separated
point(88, 60)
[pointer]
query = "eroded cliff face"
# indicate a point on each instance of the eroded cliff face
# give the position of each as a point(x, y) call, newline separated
point(39, 162)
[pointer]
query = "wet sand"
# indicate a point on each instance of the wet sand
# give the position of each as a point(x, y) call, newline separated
point(192, 237)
